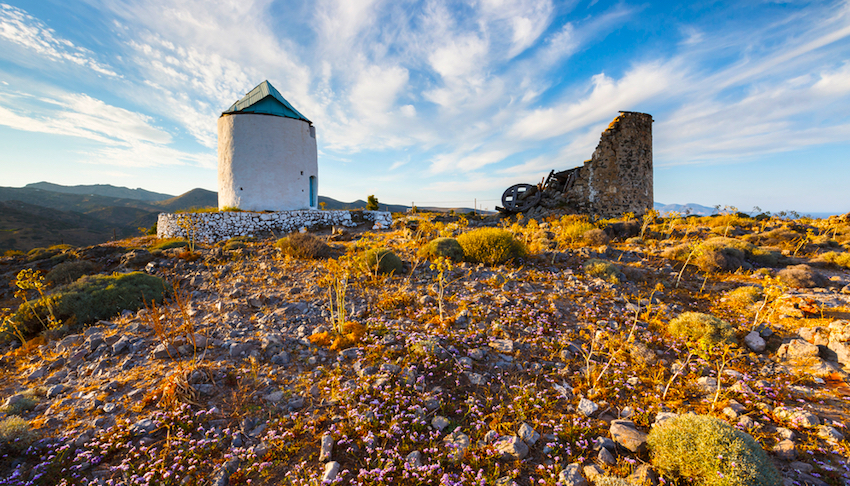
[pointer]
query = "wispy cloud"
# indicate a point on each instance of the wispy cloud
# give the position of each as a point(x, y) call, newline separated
point(124, 138)
point(20, 28)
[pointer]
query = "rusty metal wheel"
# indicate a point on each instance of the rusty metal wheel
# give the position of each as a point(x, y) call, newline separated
point(521, 197)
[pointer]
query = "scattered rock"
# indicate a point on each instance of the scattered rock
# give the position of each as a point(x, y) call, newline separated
point(797, 349)
point(571, 476)
point(330, 472)
point(511, 447)
point(457, 443)
point(528, 434)
point(755, 342)
point(502, 345)
point(785, 450)
point(326, 447)
point(626, 434)
point(439, 422)
point(587, 407)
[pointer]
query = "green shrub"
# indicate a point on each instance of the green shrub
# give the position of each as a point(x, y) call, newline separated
point(610, 481)
point(745, 296)
point(704, 329)
point(491, 246)
point(801, 276)
point(570, 230)
point(443, 247)
point(836, 258)
point(15, 434)
point(764, 257)
point(31, 317)
point(710, 452)
point(68, 272)
point(44, 253)
point(595, 237)
point(721, 253)
point(234, 245)
point(382, 260)
point(25, 404)
point(169, 244)
point(92, 298)
point(607, 271)
point(303, 245)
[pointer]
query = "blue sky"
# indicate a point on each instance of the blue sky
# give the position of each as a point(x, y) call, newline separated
point(436, 102)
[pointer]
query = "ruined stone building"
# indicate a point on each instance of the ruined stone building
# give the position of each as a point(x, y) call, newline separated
point(616, 180)
point(618, 177)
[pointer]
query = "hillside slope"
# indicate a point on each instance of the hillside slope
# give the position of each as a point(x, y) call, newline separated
point(106, 190)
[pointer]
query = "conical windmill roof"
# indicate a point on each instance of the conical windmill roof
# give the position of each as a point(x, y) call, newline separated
point(265, 100)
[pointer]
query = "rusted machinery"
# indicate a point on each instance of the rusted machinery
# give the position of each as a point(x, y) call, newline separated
point(519, 198)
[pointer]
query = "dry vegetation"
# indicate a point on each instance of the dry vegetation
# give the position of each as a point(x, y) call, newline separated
point(447, 350)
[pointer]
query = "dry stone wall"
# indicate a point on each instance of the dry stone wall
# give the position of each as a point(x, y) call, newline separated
point(618, 178)
point(212, 227)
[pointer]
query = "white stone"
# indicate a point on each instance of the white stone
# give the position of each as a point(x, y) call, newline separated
point(755, 342)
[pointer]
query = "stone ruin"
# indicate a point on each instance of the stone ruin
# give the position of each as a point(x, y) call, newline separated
point(615, 181)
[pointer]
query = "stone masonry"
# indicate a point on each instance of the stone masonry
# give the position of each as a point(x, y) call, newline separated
point(212, 227)
point(618, 177)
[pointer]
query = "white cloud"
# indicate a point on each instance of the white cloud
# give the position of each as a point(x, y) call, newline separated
point(377, 88)
point(521, 21)
point(607, 96)
point(20, 28)
point(458, 57)
point(123, 137)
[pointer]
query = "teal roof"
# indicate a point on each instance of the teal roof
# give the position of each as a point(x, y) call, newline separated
point(265, 100)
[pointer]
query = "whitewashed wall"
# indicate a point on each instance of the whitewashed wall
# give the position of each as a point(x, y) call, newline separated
point(212, 227)
point(265, 163)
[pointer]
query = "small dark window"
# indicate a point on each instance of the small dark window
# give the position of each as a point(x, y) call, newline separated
point(302, 172)
point(240, 188)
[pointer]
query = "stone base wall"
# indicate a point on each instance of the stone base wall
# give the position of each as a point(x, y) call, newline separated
point(212, 227)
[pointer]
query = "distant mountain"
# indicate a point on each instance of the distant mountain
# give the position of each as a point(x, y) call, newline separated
point(34, 216)
point(196, 198)
point(682, 209)
point(102, 190)
point(25, 226)
point(45, 214)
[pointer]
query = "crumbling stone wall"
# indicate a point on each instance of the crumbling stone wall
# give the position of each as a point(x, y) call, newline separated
point(618, 177)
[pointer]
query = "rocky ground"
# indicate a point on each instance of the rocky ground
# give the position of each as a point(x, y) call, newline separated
point(535, 372)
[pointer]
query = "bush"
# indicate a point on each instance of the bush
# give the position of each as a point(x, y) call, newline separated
point(719, 253)
point(31, 317)
point(15, 434)
point(303, 245)
point(570, 230)
point(382, 260)
point(745, 296)
point(234, 245)
point(169, 244)
point(68, 272)
point(43, 253)
point(92, 298)
point(704, 329)
point(27, 402)
point(607, 271)
point(801, 276)
point(710, 452)
point(595, 237)
point(837, 259)
point(443, 247)
point(610, 481)
point(491, 246)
